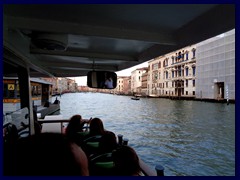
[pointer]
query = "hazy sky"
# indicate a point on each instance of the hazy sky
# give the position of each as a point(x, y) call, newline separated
point(82, 81)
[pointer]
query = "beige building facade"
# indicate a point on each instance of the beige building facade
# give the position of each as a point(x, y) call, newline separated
point(136, 80)
point(123, 85)
point(174, 74)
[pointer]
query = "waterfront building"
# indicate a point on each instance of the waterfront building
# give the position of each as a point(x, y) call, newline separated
point(123, 85)
point(71, 85)
point(62, 85)
point(216, 67)
point(54, 81)
point(144, 84)
point(174, 74)
point(136, 80)
point(155, 83)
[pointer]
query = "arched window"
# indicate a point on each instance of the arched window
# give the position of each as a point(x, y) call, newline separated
point(193, 70)
point(194, 52)
point(166, 75)
point(186, 55)
point(186, 71)
point(172, 59)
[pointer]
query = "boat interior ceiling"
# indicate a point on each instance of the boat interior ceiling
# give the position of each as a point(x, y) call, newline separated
point(64, 40)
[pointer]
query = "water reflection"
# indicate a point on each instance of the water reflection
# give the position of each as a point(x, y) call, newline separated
point(186, 137)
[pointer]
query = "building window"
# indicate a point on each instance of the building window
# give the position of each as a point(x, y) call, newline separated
point(166, 75)
point(166, 84)
point(186, 92)
point(187, 55)
point(172, 74)
point(172, 84)
point(193, 81)
point(179, 71)
point(186, 83)
point(172, 59)
point(193, 92)
point(187, 71)
point(194, 70)
point(155, 66)
point(194, 52)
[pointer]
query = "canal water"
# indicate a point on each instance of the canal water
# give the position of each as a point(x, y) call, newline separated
point(188, 138)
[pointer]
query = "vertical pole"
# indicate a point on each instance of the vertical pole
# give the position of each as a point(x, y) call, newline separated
point(25, 94)
point(160, 170)
point(227, 95)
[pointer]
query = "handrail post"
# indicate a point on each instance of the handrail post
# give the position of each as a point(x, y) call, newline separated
point(160, 170)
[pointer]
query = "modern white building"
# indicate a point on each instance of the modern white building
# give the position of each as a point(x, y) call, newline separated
point(216, 67)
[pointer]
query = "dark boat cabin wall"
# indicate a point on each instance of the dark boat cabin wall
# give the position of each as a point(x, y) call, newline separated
point(36, 89)
point(46, 93)
point(10, 90)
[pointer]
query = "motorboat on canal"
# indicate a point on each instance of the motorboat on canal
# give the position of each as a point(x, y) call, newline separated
point(135, 98)
point(83, 39)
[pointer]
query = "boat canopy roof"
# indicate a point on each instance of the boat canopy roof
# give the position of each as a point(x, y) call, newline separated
point(37, 80)
point(68, 40)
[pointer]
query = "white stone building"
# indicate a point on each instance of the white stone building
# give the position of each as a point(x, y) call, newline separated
point(173, 74)
point(136, 80)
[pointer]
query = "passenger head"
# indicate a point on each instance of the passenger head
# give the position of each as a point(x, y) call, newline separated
point(126, 161)
point(75, 125)
point(96, 127)
point(47, 154)
point(108, 142)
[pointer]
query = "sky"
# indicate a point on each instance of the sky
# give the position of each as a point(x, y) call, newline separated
point(82, 81)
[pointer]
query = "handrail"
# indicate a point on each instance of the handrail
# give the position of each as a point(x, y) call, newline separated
point(146, 169)
point(42, 121)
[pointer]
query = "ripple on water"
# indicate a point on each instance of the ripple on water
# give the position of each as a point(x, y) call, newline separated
point(189, 138)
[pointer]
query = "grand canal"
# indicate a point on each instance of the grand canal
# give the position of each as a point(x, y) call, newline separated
point(188, 138)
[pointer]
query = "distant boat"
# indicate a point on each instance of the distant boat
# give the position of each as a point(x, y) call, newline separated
point(135, 98)
point(153, 96)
